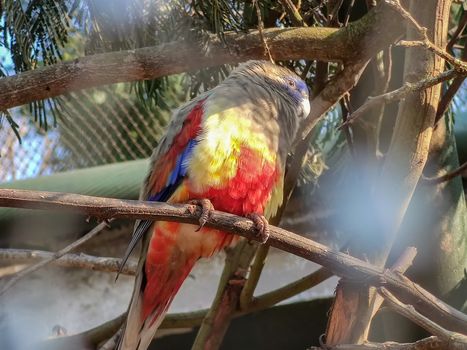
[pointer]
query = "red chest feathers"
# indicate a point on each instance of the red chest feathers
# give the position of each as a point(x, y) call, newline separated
point(249, 190)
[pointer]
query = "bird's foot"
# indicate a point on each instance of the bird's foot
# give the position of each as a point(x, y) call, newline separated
point(261, 225)
point(206, 210)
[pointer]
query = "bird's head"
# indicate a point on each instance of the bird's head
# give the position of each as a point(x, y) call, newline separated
point(297, 90)
point(285, 90)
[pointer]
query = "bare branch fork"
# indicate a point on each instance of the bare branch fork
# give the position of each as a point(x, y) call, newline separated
point(459, 67)
point(400, 93)
point(341, 264)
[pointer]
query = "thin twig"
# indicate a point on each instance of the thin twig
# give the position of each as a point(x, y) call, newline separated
point(293, 13)
point(431, 343)
point(346, 113)
point(81, 260)
point(349, 11)
point(446, 177)
point(459, 66)
point(452, 89)
point(333, 15)
point(400, 266)
point(23, 273)
point(276, 296)
point(306, 69)
point(424, 322)
point(460, 28)
point(111, 344)
point(400, 93)
point(396, 5)
point(261, 29)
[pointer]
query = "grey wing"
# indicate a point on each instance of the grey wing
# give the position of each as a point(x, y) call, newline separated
point(174, 128)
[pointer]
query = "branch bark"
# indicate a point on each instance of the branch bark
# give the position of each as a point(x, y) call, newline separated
point(430, 343)
point(340, 264)
point(81, 260)
point(401, 93)
point(359, 39)
point(407, 155)
point(57, 255)
point(408, 311)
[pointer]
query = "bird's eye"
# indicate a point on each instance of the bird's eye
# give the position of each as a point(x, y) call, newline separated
point(292, 84)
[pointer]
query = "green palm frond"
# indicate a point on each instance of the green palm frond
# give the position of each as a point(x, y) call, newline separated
point(6, 116)
point(41, 32)
point(34, 33)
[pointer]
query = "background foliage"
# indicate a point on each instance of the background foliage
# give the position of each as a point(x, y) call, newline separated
point(121, 122)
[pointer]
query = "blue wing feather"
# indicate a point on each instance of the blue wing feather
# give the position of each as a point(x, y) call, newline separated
point(176, 177)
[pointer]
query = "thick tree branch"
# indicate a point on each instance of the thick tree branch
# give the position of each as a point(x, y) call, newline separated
point(340, 264)
point(359, 39)
point(166, 59)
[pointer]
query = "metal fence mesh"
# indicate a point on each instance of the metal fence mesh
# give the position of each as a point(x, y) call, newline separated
point(96, 126)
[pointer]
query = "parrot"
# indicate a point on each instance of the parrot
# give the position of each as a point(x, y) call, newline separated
point(225, 149)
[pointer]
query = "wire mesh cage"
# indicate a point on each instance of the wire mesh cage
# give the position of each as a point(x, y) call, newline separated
point(94, 127)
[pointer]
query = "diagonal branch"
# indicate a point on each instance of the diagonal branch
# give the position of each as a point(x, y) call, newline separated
point(430, 343)
point(452, 89)
point(27, 271)
point(459, 65)
point(81, 260)
point(293, 13)
point(446, 177)
point(399, 94)
point(339, 263)
point(424, 322)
